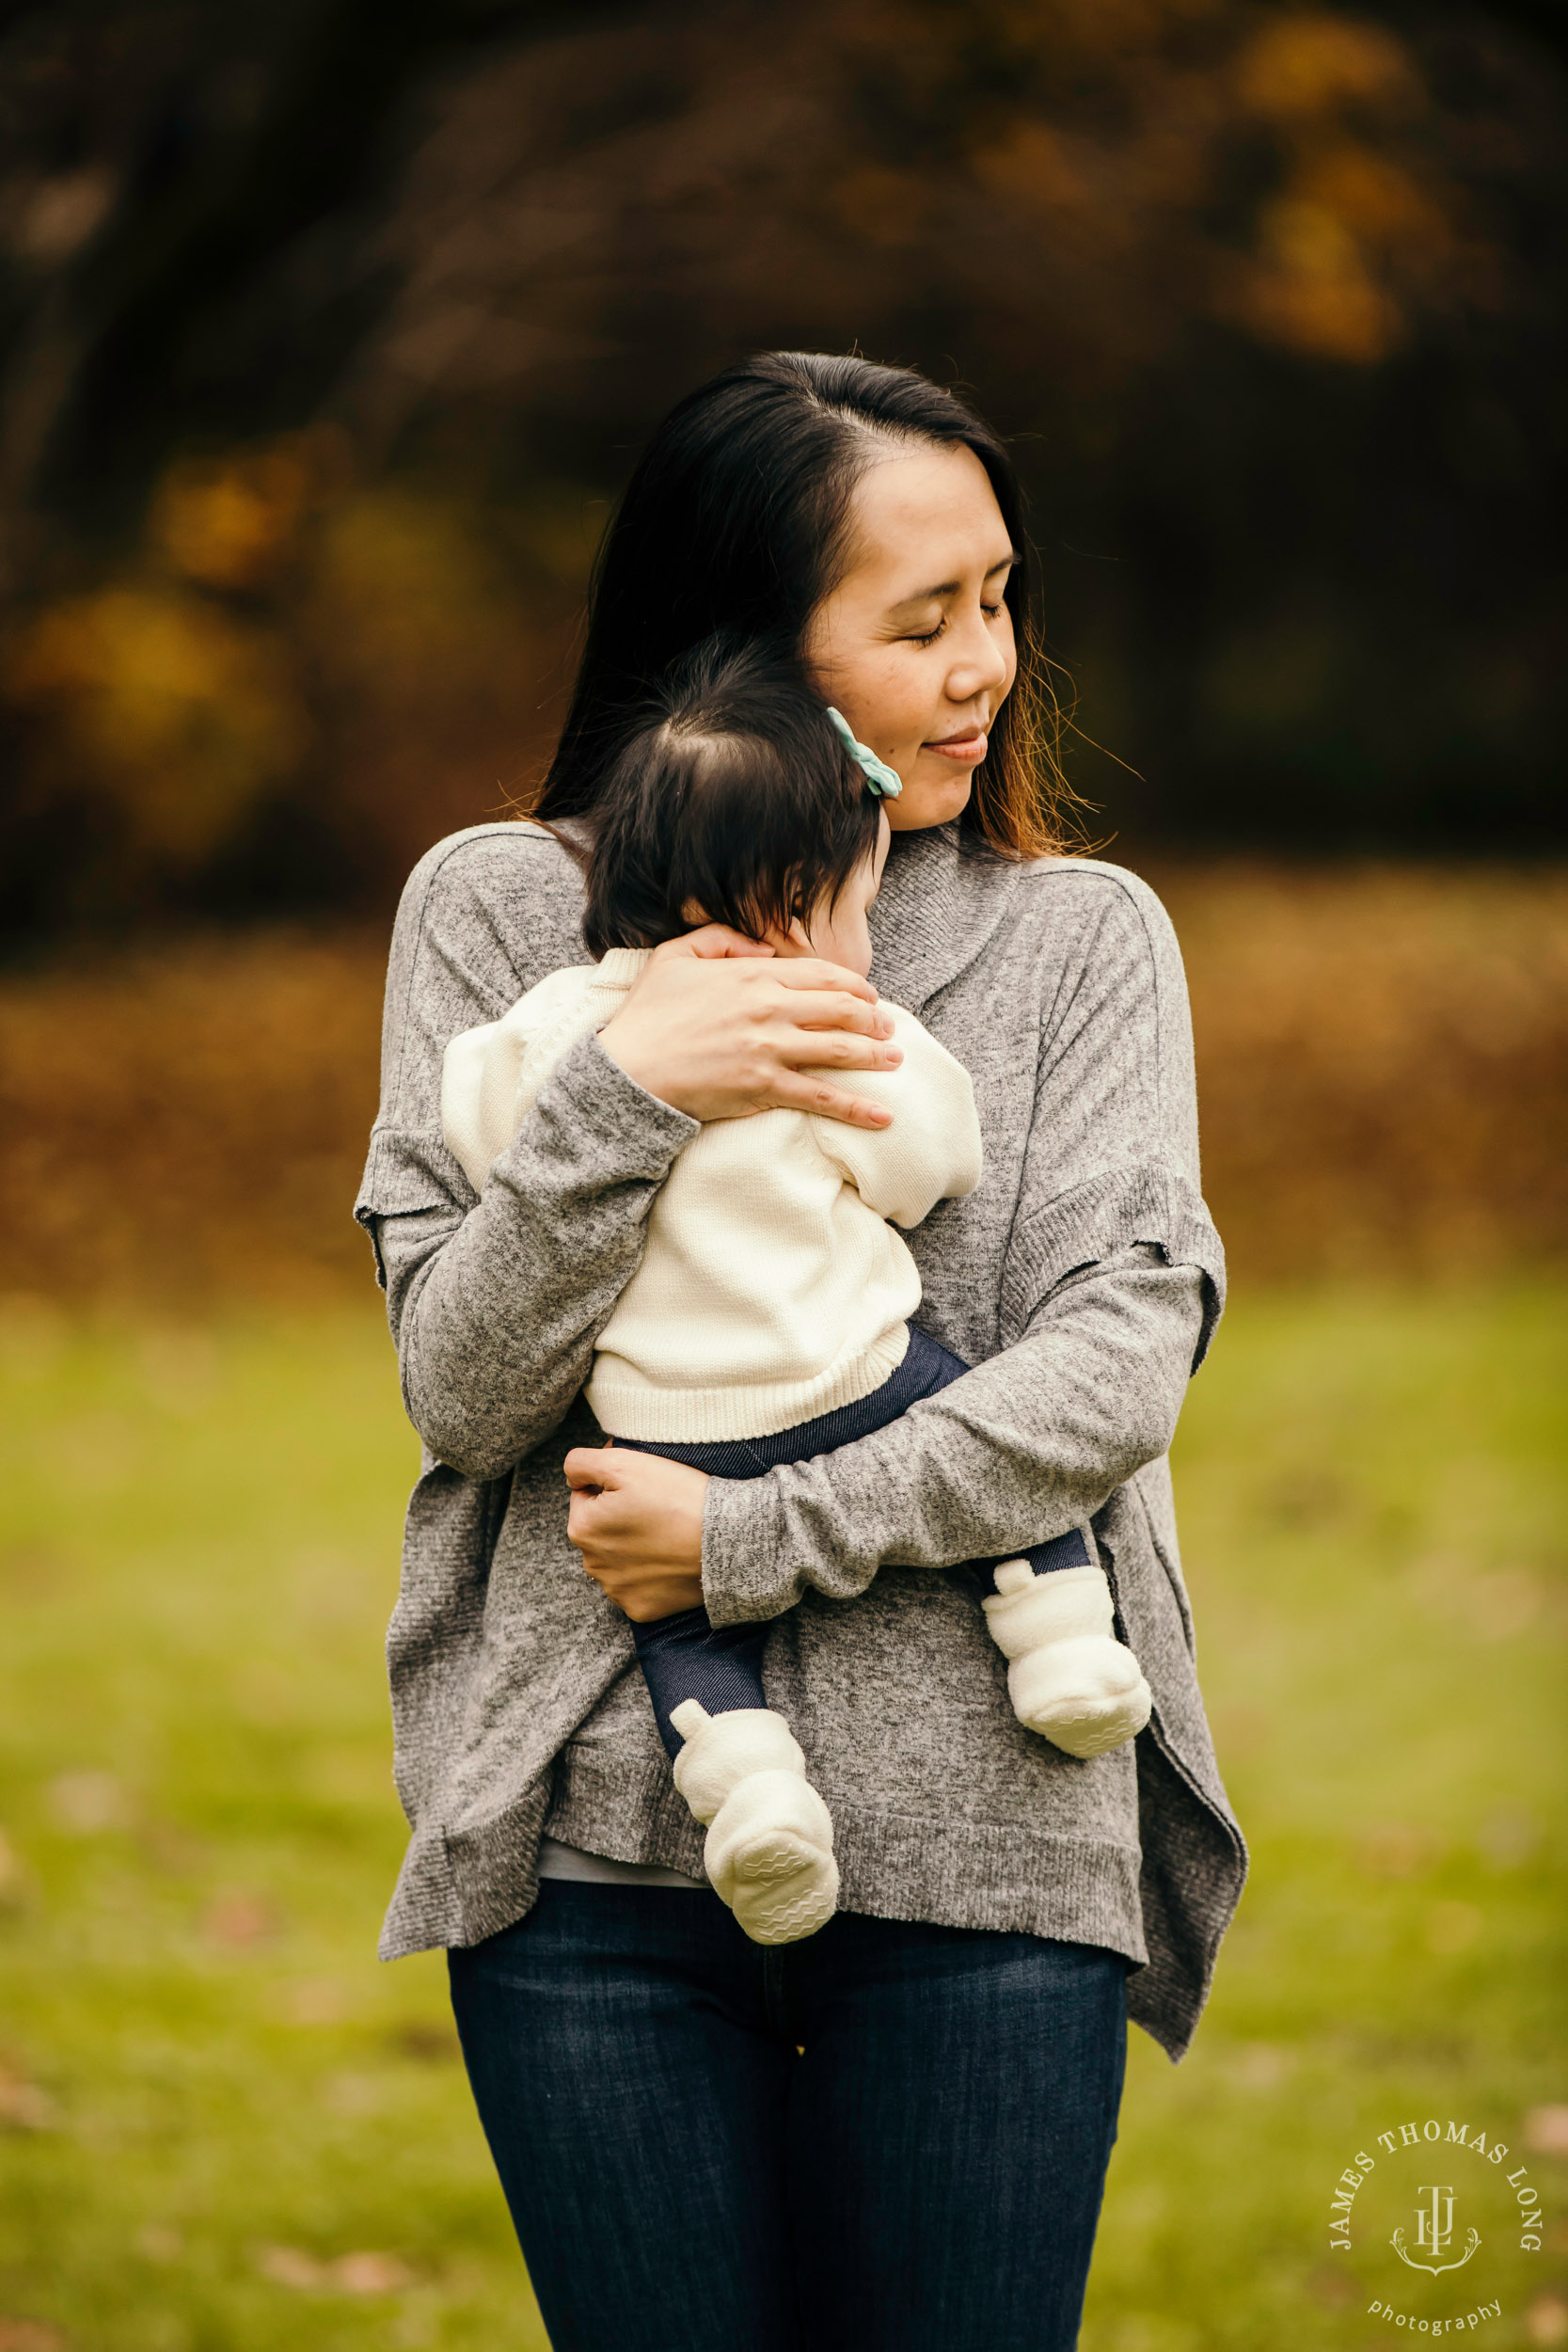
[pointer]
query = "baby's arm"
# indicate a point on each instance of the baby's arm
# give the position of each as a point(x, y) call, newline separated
point(490, 1075)
point(931, 1151)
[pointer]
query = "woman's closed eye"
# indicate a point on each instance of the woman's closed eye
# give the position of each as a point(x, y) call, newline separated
point(992, 612)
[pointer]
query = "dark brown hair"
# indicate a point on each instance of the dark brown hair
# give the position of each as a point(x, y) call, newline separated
point(736, 521)
point(735, 802)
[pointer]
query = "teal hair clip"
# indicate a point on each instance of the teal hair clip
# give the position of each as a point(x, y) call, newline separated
point(884, 781)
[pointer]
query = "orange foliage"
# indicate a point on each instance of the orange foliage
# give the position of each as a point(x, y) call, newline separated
point(182, 713)
point(1382, 1064)
point(189, 1123)
point(1383, 1071)
point(370, 618)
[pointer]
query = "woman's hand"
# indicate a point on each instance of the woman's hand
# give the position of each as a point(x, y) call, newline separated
point(719, 1027)
point(638, 1521)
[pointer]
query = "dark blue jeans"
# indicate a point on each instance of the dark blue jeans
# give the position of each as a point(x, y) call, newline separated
point(684, 1657)
point(891, 2138)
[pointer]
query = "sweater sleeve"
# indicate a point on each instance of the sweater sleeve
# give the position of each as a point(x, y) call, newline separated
point(491, 1075)
point(1023, 1448)
point(931, 1151)
point(1113, 1279)
point(495, 1302)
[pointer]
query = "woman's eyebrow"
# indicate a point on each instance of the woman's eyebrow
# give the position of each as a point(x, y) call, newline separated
point(1007, 562)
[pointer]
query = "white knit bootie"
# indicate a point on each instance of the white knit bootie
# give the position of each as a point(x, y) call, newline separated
point(769, 1850)
point(1069, 1677)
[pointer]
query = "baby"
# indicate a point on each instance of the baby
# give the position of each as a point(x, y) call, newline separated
point(769, 1321)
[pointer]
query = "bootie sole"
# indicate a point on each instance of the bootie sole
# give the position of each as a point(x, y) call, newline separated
point(1084, 1726)
point(783, 1896)
point(783, 1890)
point(1086, 1695)
point(769, 1856)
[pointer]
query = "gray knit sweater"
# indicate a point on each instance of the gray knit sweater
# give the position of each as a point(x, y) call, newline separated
point(1082, 1279)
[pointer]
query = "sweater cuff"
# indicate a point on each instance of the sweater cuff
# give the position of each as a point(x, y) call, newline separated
point(1115, 1211)
point(615, 1126)
point(746, 1579)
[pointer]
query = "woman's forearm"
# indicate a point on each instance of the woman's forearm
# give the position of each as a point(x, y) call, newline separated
point(1024, 1446)
point(495, 1315)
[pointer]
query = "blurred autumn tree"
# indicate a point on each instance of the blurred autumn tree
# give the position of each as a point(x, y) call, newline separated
point(331, 331)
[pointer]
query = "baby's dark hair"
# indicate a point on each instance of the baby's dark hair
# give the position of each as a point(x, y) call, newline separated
point(735, 796)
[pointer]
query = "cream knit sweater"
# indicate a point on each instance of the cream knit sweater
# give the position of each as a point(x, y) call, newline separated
point(772, 1287)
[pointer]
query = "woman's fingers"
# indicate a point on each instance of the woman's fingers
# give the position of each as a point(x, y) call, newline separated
point(840, 1049)
point(831, 1009)
point(597, 1518)
point(634, 1516)
point(715, 1037)
point(793, 1093)
point(593, 1468)
point(811, 972)
point(582, 1517)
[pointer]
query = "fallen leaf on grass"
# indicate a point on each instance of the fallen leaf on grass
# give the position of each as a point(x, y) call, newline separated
point(427, 2040)
point(25, 2107)
point(371, 2274)
point(29, 2335)
point(1260, 2065)
point(315, 2001)
point(1396, 1849)
point(349, 2274)
point(1331, 2287)
point(1547, 2320)
point(289, 2267)
point(1546, 2131)
point(1506, 1602)
point(353, 2094)
point(85, 1803)
point(32, 1572)
point(1506, 1837)
point(237, 1919)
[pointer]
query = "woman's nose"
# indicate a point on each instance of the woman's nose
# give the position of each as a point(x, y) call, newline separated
point(980, 663)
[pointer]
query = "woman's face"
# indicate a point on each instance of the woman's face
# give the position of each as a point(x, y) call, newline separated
point(916, 644)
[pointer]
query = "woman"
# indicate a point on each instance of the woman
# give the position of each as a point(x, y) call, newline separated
point(894, 2135)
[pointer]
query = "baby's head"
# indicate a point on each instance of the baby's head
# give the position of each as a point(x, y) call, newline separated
point(736, 803)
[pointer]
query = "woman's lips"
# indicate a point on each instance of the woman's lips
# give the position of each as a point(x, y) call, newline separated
point(970, 749)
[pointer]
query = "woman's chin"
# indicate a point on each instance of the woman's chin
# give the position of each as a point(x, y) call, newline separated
point(930, 800)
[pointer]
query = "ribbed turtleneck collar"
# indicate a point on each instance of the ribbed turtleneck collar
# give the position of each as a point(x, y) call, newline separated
point(940, 901)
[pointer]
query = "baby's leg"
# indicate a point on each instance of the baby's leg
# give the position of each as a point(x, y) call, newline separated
point(769, 1848)
point(685, 1657)
point(1068, 1677)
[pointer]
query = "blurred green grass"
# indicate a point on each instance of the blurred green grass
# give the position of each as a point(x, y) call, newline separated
point(227, 2128)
